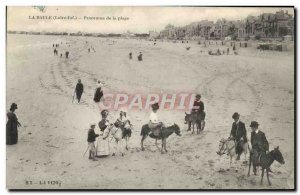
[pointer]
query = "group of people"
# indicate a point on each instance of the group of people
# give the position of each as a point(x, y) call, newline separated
point(107, 142)
point(55, 51)
point(258, 140)
point(139, 57)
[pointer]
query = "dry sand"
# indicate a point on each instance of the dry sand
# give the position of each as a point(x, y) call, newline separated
point(258, 85)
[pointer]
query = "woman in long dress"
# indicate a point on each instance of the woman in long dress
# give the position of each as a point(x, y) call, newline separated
point(102, 146)
point(12, 126)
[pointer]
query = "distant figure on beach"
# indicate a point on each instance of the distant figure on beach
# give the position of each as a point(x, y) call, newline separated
point(218, 52)
point(98, 92)
point(60, 54)
point(227, 50)
point(89, 50)
point(140, 57)
point(233, 48)
point(12, 126)
point(67, 54)
point(53, 45)
point(130, 55)
point(79, 90)
point(55, 52)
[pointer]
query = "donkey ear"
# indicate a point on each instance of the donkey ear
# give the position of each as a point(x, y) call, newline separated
point(277, 148)
point(185, 113)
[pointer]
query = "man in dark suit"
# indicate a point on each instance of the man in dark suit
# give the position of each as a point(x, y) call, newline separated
point(259, 142)
point(79, 90)
point(238, 134)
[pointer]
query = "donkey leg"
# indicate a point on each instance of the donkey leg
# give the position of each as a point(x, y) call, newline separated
point(268, 177)
point(194, 128)
point(165, 143)
point(162, 146)
point(250, 162)
point(142, 142)
point(262, 176)
point(126, 139)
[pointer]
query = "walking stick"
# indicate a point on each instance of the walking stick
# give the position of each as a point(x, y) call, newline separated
point(86, 150)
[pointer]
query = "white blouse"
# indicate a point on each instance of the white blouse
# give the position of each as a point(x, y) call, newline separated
point(154, 117)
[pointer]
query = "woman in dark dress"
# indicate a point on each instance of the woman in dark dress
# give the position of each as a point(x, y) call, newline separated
point(12, 126)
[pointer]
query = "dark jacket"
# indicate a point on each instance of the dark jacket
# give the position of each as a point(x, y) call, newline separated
point(11, 129)
point(98, 94)
point(198, 106)
point(79, 88)
point(259, 141)
point(92, 135)
point(238, 131)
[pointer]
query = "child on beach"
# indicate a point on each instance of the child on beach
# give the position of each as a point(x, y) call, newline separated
point(91, 139)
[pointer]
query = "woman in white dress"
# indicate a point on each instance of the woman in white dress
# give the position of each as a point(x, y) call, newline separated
point(102, 147)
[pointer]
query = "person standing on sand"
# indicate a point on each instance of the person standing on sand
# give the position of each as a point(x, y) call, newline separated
point(91, 141)
point(140, 57)
point(79, 90)
point(102, 148)
point(67, 54)
point(227, 50)
point(12, 126)
point(98, 92)
point(130, 55)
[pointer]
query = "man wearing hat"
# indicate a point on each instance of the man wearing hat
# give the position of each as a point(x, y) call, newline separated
point(238, 133)
point(91, 139)
point(259, 143)
point(198, 106)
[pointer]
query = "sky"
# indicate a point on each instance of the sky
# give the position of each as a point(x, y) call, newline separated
point(140, 19)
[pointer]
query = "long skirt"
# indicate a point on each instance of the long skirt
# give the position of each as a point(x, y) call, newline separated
point(102, 148)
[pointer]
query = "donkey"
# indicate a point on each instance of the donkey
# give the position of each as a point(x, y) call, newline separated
point(195, 119)
point(163, 135)
point(227, 146)
point(265, 162)
point(119, 135)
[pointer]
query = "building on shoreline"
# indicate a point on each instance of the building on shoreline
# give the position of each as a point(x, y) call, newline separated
point(265, 26)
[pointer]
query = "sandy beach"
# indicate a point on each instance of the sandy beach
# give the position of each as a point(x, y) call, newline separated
point(257, 84)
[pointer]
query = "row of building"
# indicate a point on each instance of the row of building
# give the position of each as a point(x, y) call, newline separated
point(266, 25)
